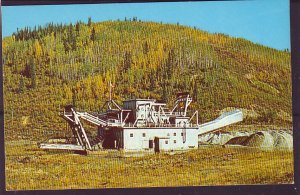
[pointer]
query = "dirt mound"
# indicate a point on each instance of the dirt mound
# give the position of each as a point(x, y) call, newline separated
point(270, 139)
point(283, 140)
point(261, 139)
point(220, 137)
point(240, 140)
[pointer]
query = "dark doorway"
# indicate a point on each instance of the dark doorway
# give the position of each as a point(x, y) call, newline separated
point(150, 144)
point(156, 144)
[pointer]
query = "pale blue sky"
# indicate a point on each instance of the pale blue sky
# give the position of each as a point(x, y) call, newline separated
point(261, 21)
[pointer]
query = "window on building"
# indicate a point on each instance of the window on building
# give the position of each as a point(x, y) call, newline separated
point(174, 134)
point(168, 134)
point(174, 141)
point(131, 134)
point(144, 134)
point(181, 134)
point(166, 142)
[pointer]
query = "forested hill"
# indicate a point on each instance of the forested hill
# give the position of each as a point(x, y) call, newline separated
point(48, 67)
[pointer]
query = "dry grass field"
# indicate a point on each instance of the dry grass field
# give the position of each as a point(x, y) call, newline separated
point(28, 168)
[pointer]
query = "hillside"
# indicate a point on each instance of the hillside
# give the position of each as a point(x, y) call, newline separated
point(48, 67)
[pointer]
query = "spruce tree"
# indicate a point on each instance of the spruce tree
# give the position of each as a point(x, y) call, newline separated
point(195, 91)
point(93, 35)
point(127, 60)
point(33, 74)
point(89, 21)
point(21, 85)
point(145, 48)
point(171, 63)
point(73, 97)
point(77, 28)
point(72, 38)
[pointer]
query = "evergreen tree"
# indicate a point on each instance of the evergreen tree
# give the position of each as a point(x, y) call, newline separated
point(93, 35)
point(33, 78)
point(195, 91)
point(165, 92)
point(66, 45)
point(152, 81)
point(171, 63)
point(77, 28)
point(33, 74)
point(145, 48)
point(89, 21)
point(21, 85)
point(127, 61)
point(72, 38)
point(74, 97)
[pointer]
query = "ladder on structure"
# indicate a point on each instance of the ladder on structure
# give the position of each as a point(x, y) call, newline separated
point(73, 118)
point(77, 129)
point(92, 119)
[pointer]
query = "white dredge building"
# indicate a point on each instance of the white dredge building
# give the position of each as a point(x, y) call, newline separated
point(141, 124)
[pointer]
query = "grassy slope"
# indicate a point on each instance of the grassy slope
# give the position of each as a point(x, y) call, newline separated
point(227, 72)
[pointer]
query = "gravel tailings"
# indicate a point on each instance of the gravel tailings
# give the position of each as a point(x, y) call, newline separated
point(270, 139)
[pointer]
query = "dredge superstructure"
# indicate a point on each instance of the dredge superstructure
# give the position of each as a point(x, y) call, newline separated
point(141, 124)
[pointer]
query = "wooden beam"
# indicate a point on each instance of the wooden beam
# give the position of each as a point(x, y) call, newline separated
point(62, 147)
